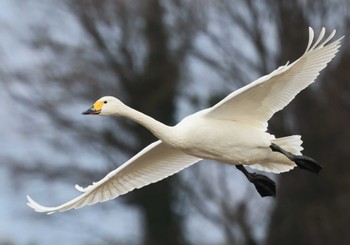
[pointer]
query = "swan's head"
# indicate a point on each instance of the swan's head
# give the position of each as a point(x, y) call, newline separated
point(107, 105)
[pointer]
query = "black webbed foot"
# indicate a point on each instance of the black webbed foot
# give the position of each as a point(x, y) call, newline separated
point(303, 162)
point(307, 163)
point(264, 185)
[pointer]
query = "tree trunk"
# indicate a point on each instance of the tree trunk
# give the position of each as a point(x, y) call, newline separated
point(153, 93)
point(314, 209)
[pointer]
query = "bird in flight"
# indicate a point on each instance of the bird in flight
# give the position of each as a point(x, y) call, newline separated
point(233, 131)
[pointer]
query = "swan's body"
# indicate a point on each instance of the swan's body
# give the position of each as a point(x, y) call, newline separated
point(232, 131)
point(238, 138)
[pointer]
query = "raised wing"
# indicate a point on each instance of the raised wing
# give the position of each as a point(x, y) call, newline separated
point(255, 103)
point(154, 163)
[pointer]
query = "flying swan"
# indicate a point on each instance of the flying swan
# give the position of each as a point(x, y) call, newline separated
point(232, 131)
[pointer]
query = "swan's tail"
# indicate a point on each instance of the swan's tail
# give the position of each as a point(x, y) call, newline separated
point(291, 144)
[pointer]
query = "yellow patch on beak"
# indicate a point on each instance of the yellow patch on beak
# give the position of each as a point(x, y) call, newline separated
point(98, 105)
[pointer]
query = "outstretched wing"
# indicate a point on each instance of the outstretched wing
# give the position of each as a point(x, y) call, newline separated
point(255, 103)
point(154, 163)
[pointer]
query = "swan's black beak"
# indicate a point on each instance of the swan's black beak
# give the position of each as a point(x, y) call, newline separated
point(91, 111)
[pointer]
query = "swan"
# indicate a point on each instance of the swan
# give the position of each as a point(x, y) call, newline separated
point(233, 131)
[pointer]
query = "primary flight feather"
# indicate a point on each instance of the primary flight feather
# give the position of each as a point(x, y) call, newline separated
point(232, 131)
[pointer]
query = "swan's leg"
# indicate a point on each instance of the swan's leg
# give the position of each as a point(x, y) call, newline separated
point(303, 162)
point(264, 185)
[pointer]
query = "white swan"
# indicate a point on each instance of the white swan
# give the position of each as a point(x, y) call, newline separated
point(232, 131)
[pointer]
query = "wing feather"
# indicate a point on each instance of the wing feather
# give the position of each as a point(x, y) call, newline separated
point(255, 103)
point(154, 163)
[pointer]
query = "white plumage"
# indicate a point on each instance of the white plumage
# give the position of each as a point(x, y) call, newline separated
point(148, 166)
point(232, 131)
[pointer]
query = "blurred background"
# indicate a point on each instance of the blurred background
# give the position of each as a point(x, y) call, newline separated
point(168, 59)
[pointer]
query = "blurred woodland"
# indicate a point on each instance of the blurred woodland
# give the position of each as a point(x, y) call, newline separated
point(155, 55)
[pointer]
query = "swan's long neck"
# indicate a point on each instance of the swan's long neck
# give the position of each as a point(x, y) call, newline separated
point(160, 130)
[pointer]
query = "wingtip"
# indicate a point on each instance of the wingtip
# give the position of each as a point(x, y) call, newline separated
point(318, 43)
point(30, 202)
point(311, 38)
point(37, 207)
point(341, 38)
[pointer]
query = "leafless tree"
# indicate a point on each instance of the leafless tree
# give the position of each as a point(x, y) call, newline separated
point(142, 53)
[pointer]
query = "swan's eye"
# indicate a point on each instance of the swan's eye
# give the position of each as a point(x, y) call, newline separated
point(105, 102)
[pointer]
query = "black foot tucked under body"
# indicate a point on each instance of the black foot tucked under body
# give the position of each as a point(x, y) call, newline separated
point(303, 162)
point(264, 185)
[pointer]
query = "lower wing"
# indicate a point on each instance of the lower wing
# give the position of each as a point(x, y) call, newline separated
point(154, 163)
